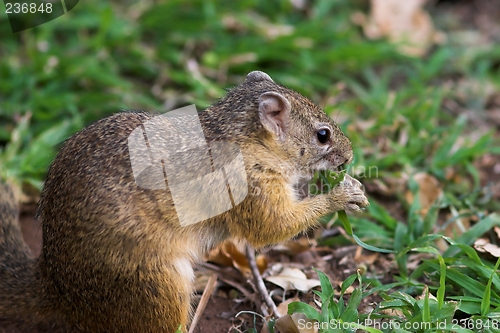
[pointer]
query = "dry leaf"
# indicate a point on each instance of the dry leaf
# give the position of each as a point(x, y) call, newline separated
point(430, 191)
point(229, 254)
point(455, 228)
point(483, 245)
point(285, 324)
point(415, 260)
point(296, 323)
point(304, 324)
point(459, 226)
point(349, 290)
point(404, 23)
point(393, 312)
point(365, 257)
point(426, 291)
point(283, 306)
point(293, 279)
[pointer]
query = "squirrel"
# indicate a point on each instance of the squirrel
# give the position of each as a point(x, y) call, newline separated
point(115, 257)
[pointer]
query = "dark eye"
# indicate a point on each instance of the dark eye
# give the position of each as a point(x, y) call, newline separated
point(323, 135)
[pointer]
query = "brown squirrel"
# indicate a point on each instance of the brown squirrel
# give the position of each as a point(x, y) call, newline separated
point(115, 257)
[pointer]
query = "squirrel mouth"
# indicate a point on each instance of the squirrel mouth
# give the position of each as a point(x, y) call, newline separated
point(332, 160)
point(337, 159)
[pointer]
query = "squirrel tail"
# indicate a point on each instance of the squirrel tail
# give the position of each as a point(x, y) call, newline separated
point(12, 245)
point(17, 266)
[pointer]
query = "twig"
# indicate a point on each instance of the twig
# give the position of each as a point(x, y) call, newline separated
point(203, 301)
point(261, 287)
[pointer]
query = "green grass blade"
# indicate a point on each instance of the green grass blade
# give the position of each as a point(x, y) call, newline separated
point(466, 282)
point(345, 222)
point(370, 247)
point(442, 282)
point(485, 304)
point(426, 311)
point(304, 308)
point(347, 283)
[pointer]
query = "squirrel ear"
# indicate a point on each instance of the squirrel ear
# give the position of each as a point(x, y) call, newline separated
point(257, 76)
point(274, 113)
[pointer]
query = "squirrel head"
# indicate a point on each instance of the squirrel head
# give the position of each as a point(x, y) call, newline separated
point(289, 125)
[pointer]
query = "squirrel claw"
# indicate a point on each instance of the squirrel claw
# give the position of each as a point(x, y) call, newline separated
point(356, 199)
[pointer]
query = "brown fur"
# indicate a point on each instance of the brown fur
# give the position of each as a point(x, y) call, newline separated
point(114, 257)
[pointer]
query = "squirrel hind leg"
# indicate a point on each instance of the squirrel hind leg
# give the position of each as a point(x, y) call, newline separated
point(12, 245)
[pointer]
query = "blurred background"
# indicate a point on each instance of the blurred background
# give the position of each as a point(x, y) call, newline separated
point(414, 84)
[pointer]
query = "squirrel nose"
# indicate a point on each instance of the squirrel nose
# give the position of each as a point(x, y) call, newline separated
point(346, 152)
point(339, 158)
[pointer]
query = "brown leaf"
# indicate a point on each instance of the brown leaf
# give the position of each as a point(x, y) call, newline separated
point(404, 23)
point(430, 191)
point(296, 323)
point(286, 324)
point(426, 291)
point(497, 231)
point(293, 279)
point(283, 306)
point(229, 254)
point(455, 228)
point(459, 226)
point(365, 257)
point(483, 245)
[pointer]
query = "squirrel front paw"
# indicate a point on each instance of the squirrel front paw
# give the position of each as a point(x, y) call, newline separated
point(349, 195)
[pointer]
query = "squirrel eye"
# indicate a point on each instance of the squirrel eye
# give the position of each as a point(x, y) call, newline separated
point(323, 135)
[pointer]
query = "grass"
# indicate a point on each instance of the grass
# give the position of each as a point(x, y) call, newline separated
point(106, 56)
